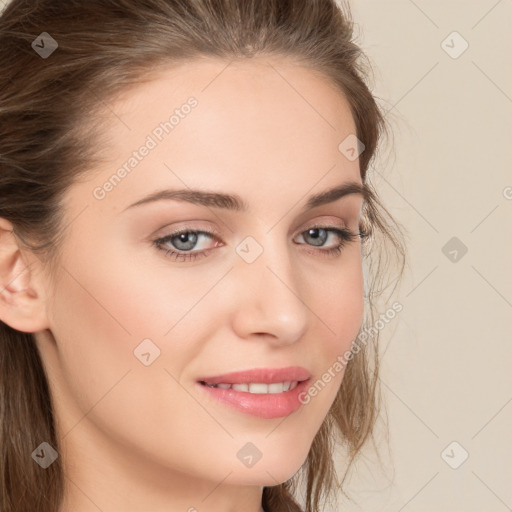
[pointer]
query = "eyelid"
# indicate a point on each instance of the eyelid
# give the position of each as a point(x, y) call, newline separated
point(323, 224)
point(185, 225)
point(333, 220)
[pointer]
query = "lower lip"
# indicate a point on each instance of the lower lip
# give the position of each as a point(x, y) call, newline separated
point(262, 405)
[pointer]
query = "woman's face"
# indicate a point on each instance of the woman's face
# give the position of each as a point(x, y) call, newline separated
point(134, 329)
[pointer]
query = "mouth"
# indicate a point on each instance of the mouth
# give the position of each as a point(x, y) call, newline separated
point(261, 392)
point(257, 388)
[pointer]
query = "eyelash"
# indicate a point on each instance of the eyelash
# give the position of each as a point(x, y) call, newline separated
point(345, 235)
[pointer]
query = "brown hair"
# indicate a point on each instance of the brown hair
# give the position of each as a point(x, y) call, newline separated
point(49, 126)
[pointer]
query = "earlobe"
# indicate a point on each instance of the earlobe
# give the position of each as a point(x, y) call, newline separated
point(22, 304)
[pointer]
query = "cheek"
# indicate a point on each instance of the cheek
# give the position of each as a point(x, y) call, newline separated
point(340, 306)
point(92, 328)
point(99, 314)
point(106, 308)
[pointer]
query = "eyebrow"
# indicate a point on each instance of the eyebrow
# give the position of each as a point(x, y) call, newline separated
point(234, 202)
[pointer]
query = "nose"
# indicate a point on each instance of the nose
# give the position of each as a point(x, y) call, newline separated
point(270, 298)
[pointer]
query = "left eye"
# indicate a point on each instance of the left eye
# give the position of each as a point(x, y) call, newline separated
point(319, 235)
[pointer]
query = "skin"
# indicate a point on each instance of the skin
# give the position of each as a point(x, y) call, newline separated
point(138, 438)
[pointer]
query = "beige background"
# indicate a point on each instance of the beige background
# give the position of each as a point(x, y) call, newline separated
point(446, 369)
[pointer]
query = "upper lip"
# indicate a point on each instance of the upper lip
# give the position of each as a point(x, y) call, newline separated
point(260, 375)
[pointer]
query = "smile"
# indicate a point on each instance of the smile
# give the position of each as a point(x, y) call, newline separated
point(256, 388)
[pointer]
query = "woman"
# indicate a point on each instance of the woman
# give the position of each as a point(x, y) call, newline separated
point(185, 217)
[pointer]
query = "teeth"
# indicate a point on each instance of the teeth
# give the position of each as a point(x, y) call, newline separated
point(277, 387)
point(258, 388)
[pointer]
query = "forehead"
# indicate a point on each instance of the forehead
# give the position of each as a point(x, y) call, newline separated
point(272, 79)
point(259, 125)
point(238, 98)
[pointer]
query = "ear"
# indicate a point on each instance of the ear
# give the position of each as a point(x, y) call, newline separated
point(22, 294)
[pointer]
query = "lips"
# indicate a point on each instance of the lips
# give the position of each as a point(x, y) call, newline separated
point(259, 375)
point(265, 405)
point(261, 392)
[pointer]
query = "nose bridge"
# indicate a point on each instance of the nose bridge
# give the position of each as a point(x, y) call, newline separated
point(270, 292)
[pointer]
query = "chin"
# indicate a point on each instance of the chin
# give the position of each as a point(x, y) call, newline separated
point(270, 471)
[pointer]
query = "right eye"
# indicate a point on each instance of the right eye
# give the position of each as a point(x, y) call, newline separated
point(182, 242)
